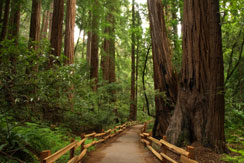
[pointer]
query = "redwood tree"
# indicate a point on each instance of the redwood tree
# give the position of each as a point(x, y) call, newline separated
point(199, 112)
point(14, 23)
point(35, 21)
point(5, 20)
point(94, 44)
point(164, 77)
point(108, 55)
point(89, 39)
point(57, 26)
point(133, 108)
point(69, 31)
point(1, 9)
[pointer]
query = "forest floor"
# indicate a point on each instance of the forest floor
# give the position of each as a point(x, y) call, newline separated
point(123, 149)
point(127, 149)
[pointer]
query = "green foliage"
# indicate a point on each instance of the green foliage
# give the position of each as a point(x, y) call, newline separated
point(25, 141)
point(234, 122)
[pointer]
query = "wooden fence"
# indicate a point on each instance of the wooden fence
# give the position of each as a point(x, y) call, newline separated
point(47, 157)
point(186, 156)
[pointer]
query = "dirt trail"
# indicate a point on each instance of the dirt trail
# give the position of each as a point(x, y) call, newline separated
point(124, 149)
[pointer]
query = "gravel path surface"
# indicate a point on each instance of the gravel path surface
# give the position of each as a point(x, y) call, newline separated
point(126, 148)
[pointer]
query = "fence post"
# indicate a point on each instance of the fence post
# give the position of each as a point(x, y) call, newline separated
point(145, 127)
point(191, 151)
point(44, 154)
point(164, 148)
point(72, 151)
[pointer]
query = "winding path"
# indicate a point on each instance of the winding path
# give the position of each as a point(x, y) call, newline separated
point(124, 149)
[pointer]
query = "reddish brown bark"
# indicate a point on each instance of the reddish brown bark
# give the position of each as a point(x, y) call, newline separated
point(69, 31)
point(164, 77)
point(35, 22)
point(57, 26)
point(94, 45)
point(5, 20)
point(199, 112)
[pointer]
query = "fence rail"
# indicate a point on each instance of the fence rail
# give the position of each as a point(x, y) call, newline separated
point(186, 156)
point(47, 157)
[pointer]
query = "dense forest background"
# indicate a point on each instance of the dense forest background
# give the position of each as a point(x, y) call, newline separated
point(75, 66)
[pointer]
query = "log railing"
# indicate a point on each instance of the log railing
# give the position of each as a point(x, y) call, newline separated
point(47, 157)
point(185, 156)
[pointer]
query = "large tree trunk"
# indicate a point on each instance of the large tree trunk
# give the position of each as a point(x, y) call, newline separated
point(35, 22)
point(5, 20)
point(13, 32)
point(94, 45)
point(1, 9)
point(164, 78)
point(199, 113)
point(69, 31)
point(14, 23)
point(57, 26)
point(133, 111)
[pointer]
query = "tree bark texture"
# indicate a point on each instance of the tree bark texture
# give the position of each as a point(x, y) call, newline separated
point(69, 31)
point(13, 30)
point(57, 27)
point(199, 112)
point(5, 20)
point(14, 23)
point(89, 38)
point(94, 45)
point(165, 81)
point(108, 56)
point(133, 111)
point(1, 9)
point(35, 22)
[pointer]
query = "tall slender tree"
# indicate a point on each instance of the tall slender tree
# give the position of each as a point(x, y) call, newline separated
point(69, 31)
point(57, 27)
point(5, 20)
point(108, 55)
point(89, 39)
point(35, 21)
point(94, 44)
point(133, 108)
point(14, 23)
point(199, 112)
point(1, 9)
